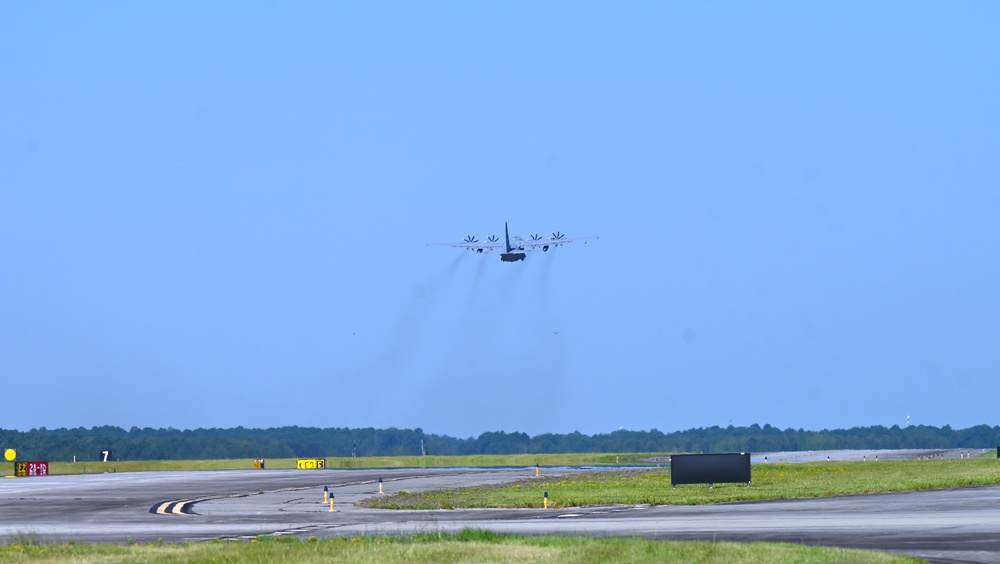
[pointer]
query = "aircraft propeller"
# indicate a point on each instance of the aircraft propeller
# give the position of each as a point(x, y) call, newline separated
point(556, 236)
point(470, 239)
point(536, 237)
point(492, 238)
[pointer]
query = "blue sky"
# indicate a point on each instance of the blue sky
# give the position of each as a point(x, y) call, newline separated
point(216, 214)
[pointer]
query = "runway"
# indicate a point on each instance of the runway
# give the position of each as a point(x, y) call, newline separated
point(952, 525)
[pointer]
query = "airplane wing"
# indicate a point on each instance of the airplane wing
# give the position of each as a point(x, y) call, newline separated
point(492, 244)
point(557, 239)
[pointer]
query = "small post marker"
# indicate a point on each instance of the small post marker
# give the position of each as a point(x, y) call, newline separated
point(380, 485)
point(765, 460)
point(326, 494)
point(546, 500)
point(536, 470)
point(331, 503)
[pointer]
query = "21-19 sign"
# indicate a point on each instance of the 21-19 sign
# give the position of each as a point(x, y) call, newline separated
point(31, 469)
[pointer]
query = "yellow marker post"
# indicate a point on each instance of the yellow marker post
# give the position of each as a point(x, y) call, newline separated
point(326, 494)
point(331, 503)
point(536, 470)
point(546, 498)
point(380, 486)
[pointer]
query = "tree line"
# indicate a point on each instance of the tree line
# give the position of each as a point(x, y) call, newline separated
point(300, 442)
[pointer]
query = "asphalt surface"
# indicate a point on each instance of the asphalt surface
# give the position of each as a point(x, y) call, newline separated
point(960, 525)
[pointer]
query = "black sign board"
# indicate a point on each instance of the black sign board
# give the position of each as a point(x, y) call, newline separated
point(710, 468)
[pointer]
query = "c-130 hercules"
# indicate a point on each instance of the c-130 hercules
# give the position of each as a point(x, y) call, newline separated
point(513, 249)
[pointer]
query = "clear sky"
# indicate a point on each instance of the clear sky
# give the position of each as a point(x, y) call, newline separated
point(216, 214)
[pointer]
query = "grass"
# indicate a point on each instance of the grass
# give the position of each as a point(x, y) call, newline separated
point(770, 481)
point(466, 546)
point(515, 460)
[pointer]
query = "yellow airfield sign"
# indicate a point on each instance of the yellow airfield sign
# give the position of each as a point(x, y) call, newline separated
point(310, 463)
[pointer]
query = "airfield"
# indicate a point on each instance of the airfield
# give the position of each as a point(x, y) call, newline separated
point(960, 524)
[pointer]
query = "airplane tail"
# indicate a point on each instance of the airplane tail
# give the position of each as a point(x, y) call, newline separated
point(506, 236)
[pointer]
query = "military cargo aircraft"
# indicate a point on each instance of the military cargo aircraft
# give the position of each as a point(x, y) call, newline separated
point(513, 249)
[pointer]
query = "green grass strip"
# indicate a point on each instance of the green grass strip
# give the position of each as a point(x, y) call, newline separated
point(770, 481)
point(471, 461)
point(467, 546)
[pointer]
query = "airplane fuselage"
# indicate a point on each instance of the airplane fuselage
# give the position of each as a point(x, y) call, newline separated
point(510, 255)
